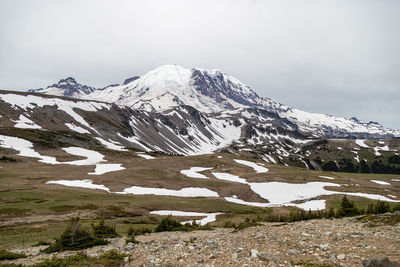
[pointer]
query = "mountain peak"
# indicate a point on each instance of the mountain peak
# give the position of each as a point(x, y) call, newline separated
point(67, 87)
point(210, 91)
point(68, 80)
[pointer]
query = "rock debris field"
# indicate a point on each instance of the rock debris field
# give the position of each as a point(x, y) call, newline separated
point(336, 242)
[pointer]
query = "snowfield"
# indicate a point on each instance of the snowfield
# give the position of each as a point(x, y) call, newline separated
point(25, 149)
point(80, 183)
point(209, 217)
point(184, 192)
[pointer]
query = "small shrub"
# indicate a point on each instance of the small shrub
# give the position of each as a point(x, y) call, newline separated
point(75, 238)
point(229, 224)
point(104, 230)
point(139, 231)
point(168, 224)
point(111, 258)
point(347, 208)
point(245, 224)
point(7, 255)
point(9, 159)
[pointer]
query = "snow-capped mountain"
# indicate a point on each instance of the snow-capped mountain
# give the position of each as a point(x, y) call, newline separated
point(67, 87)
point(213, 91)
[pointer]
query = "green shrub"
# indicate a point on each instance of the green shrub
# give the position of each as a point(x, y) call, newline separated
point(104, 230)
point(139, 231)
point(347, 208)
point(75, 238)
point(229, 224)
point(110, 259)
point(245, 224)
point(168, 224)
point(7, 255)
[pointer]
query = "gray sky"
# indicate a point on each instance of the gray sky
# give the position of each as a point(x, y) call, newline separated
point(335, 57)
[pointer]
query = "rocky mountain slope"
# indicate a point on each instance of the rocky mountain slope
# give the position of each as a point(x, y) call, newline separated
point(211, 91)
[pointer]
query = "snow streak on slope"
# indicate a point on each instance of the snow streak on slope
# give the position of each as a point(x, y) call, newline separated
point(26, 102)
point(25, 123)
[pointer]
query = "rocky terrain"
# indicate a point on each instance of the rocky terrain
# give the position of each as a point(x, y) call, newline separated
point(336, 242)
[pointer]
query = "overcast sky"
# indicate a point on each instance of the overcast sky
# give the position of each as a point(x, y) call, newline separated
point(335, 57)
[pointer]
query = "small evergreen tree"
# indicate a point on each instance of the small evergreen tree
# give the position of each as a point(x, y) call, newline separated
point(167, 224)
point(364, 168)
point(75, 237)
point(104, 230)
point(347, 208)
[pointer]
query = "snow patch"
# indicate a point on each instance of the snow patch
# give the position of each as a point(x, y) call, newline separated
point(77, 129)
point(361, 143)
point(184, 192)
point(257, 168)
point(105, 168)
point(326, 177)
point(209, 217)
point(229, 177)
point(145, 156)
point(25, 123)
point(380, 182)
point(193, 172)
point(111, 145)
point(80, 183)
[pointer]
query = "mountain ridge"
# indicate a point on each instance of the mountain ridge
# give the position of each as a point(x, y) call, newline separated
point(213, 91)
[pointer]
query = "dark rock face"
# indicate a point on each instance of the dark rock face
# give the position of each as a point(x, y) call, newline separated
point(131, 79)
point(380, 262)
point(216, 86)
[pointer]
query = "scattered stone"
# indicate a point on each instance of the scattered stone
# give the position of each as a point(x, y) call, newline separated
point(253, 253)
point(264, 257)
point(380, 262)
point(341, 256)
point(324, 246)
